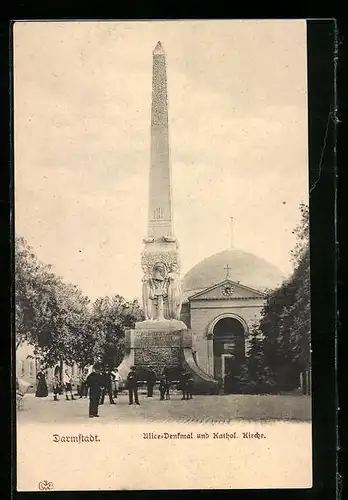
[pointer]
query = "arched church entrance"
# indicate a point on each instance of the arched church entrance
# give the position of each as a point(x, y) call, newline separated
point(229, 351)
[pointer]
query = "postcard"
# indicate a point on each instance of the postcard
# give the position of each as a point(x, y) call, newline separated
point(162, 285)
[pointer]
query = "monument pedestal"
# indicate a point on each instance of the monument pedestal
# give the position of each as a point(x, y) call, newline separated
point(164, 344)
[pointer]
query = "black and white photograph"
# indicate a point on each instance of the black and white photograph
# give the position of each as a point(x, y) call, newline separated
point(162, 264)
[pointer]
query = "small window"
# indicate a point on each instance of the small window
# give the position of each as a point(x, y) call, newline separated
point(23, 368)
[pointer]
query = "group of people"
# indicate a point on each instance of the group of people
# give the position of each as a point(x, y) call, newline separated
point(102, 381)
point(58, 387)
point(185, 384)
point(109, 383)
point(98, 384)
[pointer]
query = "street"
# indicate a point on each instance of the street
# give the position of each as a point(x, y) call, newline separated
point(201, 409)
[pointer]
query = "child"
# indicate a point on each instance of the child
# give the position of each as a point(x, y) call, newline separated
point(68, 385)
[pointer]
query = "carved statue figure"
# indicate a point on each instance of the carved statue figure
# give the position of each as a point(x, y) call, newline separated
point(159, 288)
point(147, 293)
point(159, 278)
point(174, 292)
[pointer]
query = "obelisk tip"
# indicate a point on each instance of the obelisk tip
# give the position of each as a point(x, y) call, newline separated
point(158, 49)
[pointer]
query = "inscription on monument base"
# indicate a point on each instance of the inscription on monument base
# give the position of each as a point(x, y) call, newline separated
point(158, 357)
point(148, 339)
point(157, 349)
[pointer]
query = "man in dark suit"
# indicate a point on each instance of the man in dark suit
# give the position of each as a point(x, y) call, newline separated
point(132, 385)
point(166, 383)
point(190, 384)
point(94, 382)
point(151, 381)
point(183, 384)
point(162, 387)
point(186, 383)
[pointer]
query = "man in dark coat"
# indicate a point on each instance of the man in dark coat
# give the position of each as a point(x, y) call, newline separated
point(151, 381)
point(166, 383)
point(107, 386)
point(83, 387)
point(183, 384)
point(162, 387)
point(94, 382)
point(132, 385)
point(190, 384)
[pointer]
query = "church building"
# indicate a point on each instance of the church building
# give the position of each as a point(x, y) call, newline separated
point(223, 298)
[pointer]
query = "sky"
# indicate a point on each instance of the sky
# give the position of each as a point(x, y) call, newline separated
point(237, 94)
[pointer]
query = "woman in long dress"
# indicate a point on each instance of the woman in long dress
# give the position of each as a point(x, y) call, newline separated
point(174, 292)
point(41, 388)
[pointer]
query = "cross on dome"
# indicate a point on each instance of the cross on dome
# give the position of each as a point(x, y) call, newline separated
point(227, 269)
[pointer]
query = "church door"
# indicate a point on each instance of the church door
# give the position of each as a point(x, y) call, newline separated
point(229, 351)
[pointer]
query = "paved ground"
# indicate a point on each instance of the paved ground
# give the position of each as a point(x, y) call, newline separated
point(204, 409)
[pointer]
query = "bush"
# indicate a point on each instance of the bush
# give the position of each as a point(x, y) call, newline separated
point(250, 382)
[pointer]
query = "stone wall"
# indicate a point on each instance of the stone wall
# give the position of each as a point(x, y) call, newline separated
point(185, 314)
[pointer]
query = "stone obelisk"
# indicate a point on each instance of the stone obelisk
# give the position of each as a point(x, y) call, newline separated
point(160, 196)
point(160, 258)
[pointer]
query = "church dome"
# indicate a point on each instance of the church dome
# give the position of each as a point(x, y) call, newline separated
point(245, 267)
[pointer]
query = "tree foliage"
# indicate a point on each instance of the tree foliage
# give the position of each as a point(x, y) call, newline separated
point(59, 321)
point(50, 315)
point(255, 377)
point(280, 344)
point(285, 321)
point(34, 296)
point(110, 317)
point(286, 318)
point(301, 232)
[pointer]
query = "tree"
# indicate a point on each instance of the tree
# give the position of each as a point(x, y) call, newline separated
point(34, 291)
point(302, 233)
point(69, 339)
point(280, 345)
point(285, 321)
point(50, 315)
point(255, 376)
point(110, 317)
point(58, 320)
